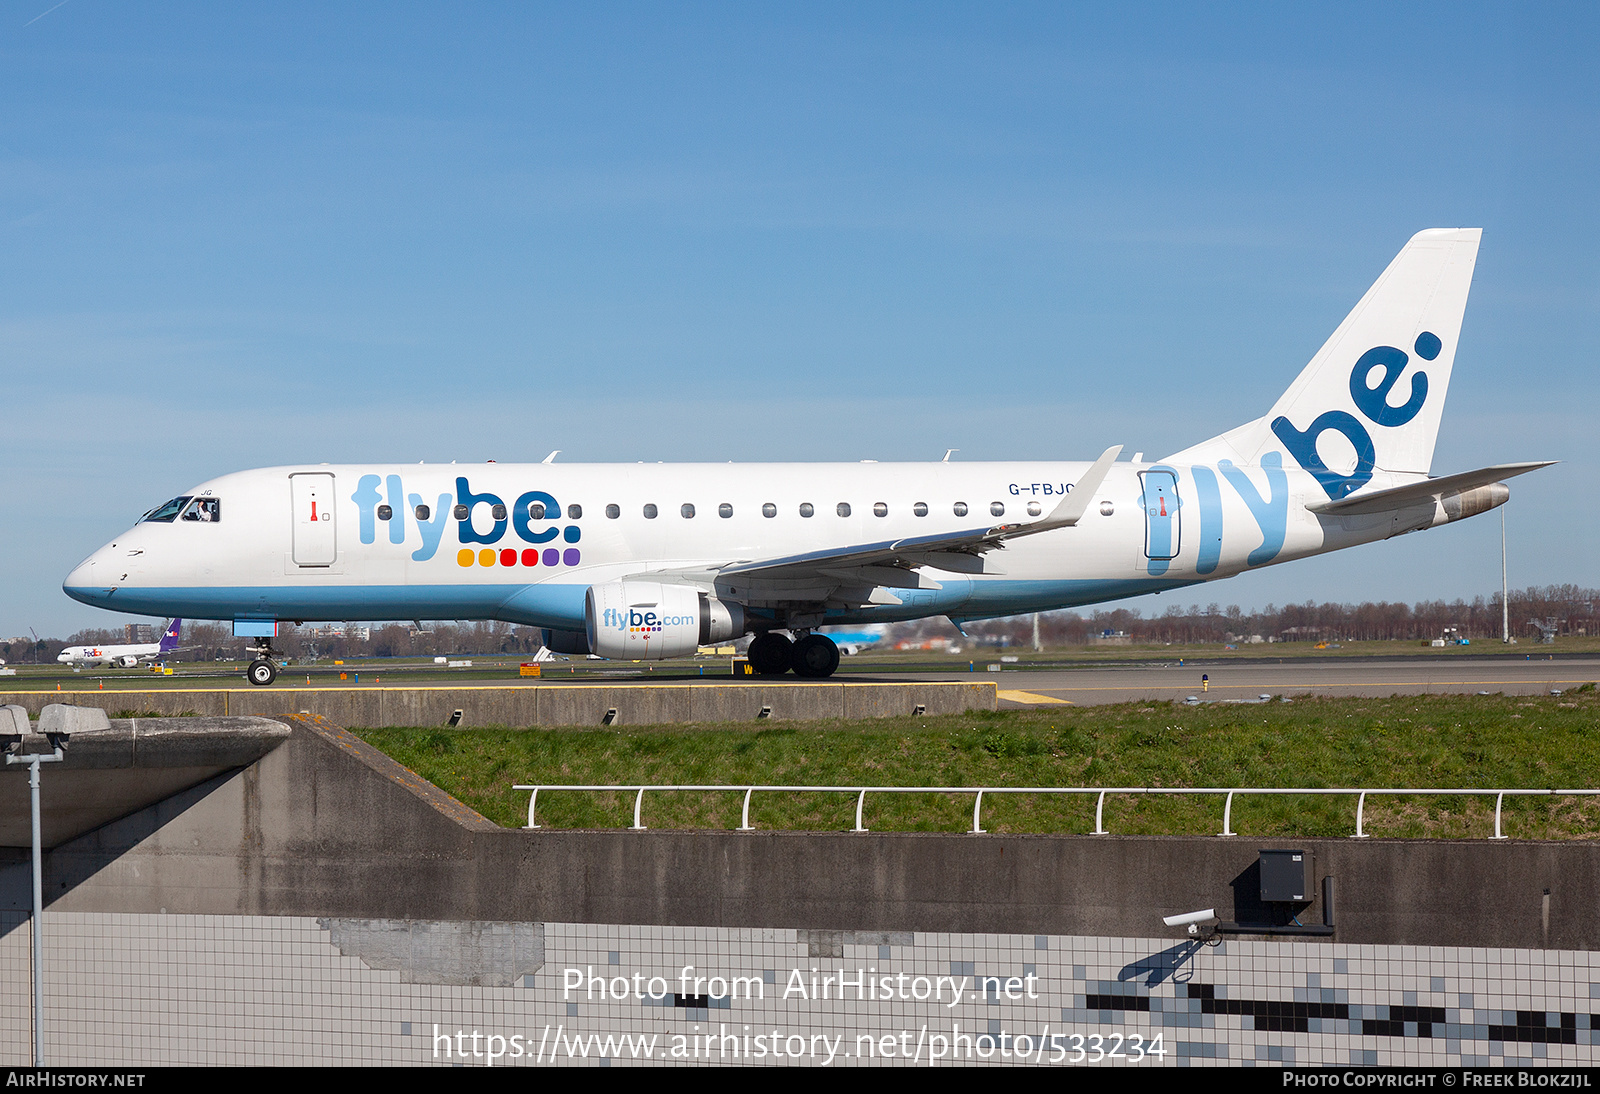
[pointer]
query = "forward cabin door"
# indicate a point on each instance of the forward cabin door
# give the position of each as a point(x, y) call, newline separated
point(314, 528)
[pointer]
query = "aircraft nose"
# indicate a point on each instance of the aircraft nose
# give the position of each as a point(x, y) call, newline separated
point(86, 582)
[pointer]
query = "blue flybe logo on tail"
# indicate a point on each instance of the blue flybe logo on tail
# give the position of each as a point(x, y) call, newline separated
point(1373, 402)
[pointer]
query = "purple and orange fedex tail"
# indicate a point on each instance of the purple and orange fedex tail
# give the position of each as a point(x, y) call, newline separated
point(169, 639)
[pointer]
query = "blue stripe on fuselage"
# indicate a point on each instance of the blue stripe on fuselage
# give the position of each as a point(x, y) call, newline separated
point(561, 606)
point(537, 605)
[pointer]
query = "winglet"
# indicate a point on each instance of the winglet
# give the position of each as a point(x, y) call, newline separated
point(1076, 503)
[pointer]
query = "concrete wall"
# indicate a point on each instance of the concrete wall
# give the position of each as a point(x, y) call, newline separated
point(325, 826)
point(542, 704)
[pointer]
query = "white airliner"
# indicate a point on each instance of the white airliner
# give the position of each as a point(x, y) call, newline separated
point(125, 656)
point(649, 561)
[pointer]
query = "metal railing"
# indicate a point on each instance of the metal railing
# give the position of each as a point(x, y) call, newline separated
point(861, 793)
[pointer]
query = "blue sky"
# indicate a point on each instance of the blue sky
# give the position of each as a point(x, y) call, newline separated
point(292, 233)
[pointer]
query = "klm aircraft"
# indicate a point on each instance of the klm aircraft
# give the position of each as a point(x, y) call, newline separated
point(649, 561)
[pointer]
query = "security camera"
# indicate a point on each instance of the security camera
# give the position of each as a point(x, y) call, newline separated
point(1193, 920)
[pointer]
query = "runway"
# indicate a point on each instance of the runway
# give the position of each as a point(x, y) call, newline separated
point(1248, 681)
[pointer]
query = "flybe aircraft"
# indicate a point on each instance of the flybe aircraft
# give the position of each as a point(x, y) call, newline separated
point(649, 561)
point(125, 656)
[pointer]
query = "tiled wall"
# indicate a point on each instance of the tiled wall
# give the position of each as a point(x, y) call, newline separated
point(183, 989)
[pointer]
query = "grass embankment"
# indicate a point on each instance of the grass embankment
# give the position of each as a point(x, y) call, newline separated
point(1421, 741)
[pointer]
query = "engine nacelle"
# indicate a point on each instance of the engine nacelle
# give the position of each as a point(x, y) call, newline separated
point(652, 620)
point(128, 662)
point(1469, 503)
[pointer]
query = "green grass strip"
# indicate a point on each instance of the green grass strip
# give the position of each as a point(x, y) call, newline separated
point(1419, 741)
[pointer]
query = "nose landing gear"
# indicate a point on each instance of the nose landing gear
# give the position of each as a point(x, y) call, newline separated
point(264, 669)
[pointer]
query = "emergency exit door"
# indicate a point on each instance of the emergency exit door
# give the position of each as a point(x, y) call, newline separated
point(315, 537)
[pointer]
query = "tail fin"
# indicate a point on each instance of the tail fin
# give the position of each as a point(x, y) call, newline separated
point(1378, 383)
point(169, 638)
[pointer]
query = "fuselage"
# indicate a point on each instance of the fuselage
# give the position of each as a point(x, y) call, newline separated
point(523, 543)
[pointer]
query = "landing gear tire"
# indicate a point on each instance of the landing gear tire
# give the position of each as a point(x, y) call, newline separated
point(770, 654)
point(261, 673)
point(814, 657)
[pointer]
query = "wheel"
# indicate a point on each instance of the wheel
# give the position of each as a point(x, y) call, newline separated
point(261, 673)
point(769, 654)
point(814, 657)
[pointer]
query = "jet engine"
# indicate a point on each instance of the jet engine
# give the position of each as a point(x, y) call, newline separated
point(128, 662)
point(651, 620)
point(1469, 503)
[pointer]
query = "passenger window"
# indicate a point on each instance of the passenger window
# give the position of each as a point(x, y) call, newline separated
point(687, 510)
point(879, 509)
point(920, 509)
point(1033, 509)
point(806, 509)
point(423, 512)
point(997, 509)
point(649, 512)
point(843, 509)
point(769, 510)
point(574, 512)
point(613, 511)
point(959, 508)
point(459, 512)
point(498, 512)
point(724, 510)
point(536, 510)
point(385, 513)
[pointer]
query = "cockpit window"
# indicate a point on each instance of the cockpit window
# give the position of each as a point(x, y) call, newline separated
point(207, 510)
point(166, 514)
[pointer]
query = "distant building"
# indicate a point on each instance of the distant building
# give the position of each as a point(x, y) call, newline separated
point(138, 632)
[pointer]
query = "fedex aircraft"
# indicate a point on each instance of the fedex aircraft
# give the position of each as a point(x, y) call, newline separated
point(125, 656)
point(648, 561)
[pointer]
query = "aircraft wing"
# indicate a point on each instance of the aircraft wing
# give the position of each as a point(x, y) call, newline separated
point(858, 573)
point(959, 552)
point(1398, 497)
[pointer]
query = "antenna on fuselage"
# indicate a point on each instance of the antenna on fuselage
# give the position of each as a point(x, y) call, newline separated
point(552, 457)
point(947, 454)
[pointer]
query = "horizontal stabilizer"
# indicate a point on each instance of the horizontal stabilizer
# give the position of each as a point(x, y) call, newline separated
point(1385, 501)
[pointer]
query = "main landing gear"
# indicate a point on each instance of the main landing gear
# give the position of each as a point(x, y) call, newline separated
point(263, 670)
point(813, 657)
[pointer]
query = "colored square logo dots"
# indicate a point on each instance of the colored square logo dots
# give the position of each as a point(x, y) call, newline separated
point(509, 556)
